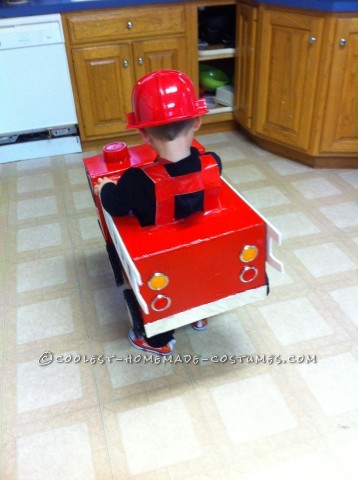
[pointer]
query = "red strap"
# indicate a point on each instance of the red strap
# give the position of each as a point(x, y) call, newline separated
point(167, 187)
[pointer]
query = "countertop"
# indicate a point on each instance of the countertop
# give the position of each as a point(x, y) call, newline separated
point(42, 7)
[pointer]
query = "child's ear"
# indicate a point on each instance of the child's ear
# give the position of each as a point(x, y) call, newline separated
point(197, 123)
point(144, 136)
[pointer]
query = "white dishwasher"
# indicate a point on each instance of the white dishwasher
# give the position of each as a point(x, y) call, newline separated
point(37, 109)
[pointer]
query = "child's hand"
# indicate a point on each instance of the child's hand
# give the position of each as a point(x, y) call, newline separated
point(101, 181)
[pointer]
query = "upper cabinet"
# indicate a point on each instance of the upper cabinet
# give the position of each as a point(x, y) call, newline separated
point(110, 50)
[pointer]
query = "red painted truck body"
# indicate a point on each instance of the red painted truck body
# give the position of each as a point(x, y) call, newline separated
point(201, 256)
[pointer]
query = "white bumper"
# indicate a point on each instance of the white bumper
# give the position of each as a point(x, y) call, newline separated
point(205, 311)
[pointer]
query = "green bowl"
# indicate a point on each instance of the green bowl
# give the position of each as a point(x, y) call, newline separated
point(211, 78)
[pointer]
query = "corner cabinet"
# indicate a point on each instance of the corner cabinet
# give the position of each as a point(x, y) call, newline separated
point(109, 50)
point(296, 87)
point(246, 30)
point(290, 47)
point(340, 131)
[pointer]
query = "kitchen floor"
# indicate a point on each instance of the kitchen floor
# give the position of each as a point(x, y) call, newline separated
point(286, 407)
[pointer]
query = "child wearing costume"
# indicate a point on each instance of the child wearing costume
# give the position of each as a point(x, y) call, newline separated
point(167, 114)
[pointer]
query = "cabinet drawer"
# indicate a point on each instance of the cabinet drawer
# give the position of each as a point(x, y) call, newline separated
point(125, 23)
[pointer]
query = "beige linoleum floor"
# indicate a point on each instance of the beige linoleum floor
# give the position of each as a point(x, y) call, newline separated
point(249, 421)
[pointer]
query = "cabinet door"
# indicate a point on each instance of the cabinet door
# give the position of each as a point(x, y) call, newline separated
point(244, 63)
point(287, 75)
point(104, 84)
point(340, 132)
point(158, 54)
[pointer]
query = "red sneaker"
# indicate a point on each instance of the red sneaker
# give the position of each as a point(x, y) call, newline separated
point(200, 325)
point(141, 344)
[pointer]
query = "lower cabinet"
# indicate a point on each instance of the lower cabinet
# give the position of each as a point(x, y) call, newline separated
point(104, 88)
point(296, 89)
point(340, 128)
point(246, 30)
point(110, 50)
point(289, 56)
point(105, 77)
point(296, 72)
point(158, 54)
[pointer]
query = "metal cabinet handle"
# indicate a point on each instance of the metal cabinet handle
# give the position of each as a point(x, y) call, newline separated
point(129, 25)
point(125, 64)
point(140, 61)
point(312, 40)
point(343, 42)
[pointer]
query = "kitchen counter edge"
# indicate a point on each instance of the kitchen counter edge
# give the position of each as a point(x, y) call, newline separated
point(44, 7)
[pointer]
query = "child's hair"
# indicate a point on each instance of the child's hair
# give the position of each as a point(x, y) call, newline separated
point(171, 130)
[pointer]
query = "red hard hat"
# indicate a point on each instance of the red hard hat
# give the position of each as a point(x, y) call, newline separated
point(162, 97)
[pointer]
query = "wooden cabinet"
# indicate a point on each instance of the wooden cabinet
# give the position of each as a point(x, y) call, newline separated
point(125, 23)
point(158, 54)
point(103, 88)
point(295, 72)
point(340, 129)
point(246, 26)
point(299, 96)
point(290, 46)
point(110, 50)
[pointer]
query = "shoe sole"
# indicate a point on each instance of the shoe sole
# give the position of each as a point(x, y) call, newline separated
point(200, 329)
point(147, 350)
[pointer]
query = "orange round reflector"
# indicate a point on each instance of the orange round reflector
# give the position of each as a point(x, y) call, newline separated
point(249, 253)
point(158, 281)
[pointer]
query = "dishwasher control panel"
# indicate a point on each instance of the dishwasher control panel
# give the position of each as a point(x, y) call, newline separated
point(29, 31)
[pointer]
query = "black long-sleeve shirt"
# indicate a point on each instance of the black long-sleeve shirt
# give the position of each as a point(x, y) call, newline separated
point(135, 191)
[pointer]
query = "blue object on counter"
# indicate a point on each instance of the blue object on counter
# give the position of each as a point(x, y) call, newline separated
point(325, 5)
point(43, 7)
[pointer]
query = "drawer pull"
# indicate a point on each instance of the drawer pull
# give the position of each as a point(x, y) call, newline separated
point(343, 42)
point(125, 64)
point(129, 25)
point(312, 40)
point(140, 61)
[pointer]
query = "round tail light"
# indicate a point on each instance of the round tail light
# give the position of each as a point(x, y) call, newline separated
point(248, 274)
point(160, 303)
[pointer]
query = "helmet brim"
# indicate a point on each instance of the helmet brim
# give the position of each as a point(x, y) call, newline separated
point(200, 109)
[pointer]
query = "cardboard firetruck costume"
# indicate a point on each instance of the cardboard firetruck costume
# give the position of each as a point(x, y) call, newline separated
point(181, 271)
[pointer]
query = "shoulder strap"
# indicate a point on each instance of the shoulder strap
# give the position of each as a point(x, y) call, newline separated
point(167, 187)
